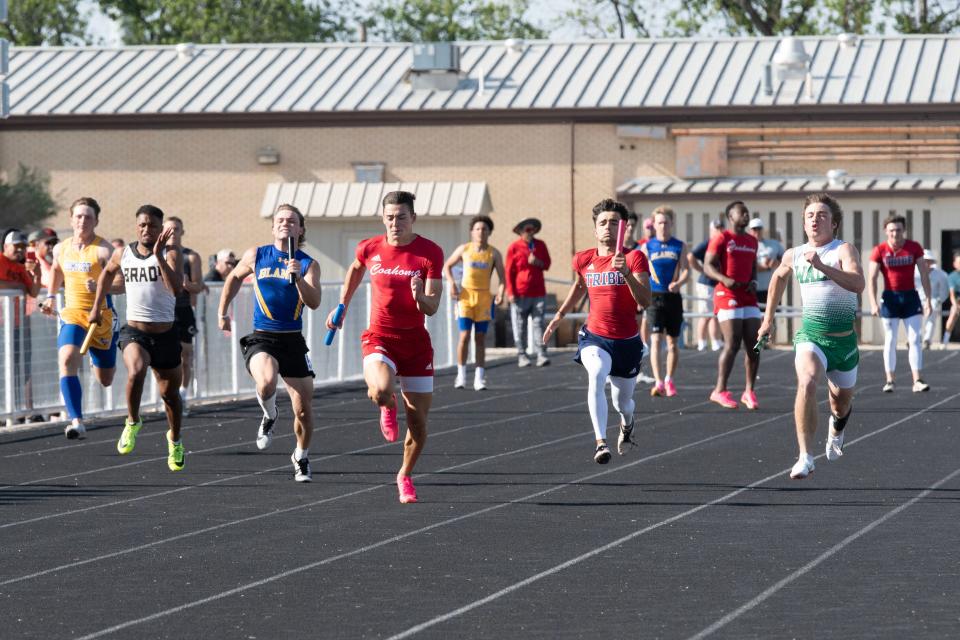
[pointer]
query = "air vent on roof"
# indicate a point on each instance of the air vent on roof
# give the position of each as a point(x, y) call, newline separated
point(436, 65)
point(186, 50)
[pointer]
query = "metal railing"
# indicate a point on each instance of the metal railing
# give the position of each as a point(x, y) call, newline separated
point(30, 378)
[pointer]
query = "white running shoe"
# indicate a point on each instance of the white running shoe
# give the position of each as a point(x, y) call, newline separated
point(803, 468)
point(888, 387)
point(920, 386)
point(624, 442)
point(479, 384)
point(834, 443)
point(265, 432)
point(542, 360)
point(459, 382)
point(643, 378)
point(74, 430)
point(523, 360)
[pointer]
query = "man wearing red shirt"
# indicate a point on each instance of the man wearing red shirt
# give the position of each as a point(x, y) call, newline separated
point(405, 274)
point(20, 271)
point(896, 259)
point(527, 259)
point(609, 344)
point(731, 260)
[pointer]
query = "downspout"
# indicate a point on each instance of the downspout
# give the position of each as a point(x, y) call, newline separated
point(573, 206)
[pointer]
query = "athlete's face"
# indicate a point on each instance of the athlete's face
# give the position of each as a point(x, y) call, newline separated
point(83, 220)
point(479, 232)
point(631, 230)
point(606, 228)
point(818, 222)
point(398, 220)
point(663, 226)
point(739, 217)
point(148, 229)
point(174, 240)
point(894, 232)
point(286, 224)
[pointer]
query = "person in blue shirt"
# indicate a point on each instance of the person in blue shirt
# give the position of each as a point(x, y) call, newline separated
point(282, 285)
point(668, 272)
point(954, 280)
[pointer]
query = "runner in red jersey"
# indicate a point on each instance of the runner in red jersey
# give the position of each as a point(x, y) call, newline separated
point(609, 344)
point(896, 259)
point(731, 260)
point(405, 273)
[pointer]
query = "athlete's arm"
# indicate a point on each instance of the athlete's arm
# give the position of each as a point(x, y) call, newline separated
point(576, 292)
point(106, 276)
point(309, 286)
point(511, 272)
point(232, 284)
point(925, 282)
point(711, 267)
point(498, 267)
point(48, 306)
point(169, 260)
point(849, 275)
point(872, 269)
point(193, 284)
point(454, 258)
point(778, 284)
point(426, 294)
point(350, 283)
point(682, 269)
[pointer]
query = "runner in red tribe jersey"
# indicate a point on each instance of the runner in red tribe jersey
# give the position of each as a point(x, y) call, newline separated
point(609, 344)
point(731, 260)
point(895, 259)
point(405, 273)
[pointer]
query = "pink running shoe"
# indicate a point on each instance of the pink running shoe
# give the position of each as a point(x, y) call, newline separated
point(749, 398)
point(405, 485)
point(388, 422)
point(657, 390)
point(724, 399)
point(670, 388)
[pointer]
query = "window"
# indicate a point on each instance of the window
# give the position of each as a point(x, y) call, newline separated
point(368, 171)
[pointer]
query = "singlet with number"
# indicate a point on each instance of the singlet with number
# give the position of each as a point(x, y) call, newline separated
point(477, 267)
point(148, 299)
point(827, 307)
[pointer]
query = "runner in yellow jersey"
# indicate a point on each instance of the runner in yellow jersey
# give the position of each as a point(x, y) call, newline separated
point(77, 264)
point(475, 302)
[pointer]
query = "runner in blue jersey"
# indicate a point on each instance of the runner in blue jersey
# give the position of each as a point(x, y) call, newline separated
point(668, 272)
point(276, 346)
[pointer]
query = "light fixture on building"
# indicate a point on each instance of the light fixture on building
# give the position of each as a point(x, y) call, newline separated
point(835, 177)
point(268, 155)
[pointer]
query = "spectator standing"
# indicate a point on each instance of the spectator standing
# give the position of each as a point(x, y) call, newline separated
point(226, 261)
point(939, 292)
point(705, 284)
point(954, 281)
point(43, 242)
point(527, 259)
point(19, 273)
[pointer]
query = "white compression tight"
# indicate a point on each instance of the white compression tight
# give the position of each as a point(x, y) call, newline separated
point(597, 362)
point(891, 327)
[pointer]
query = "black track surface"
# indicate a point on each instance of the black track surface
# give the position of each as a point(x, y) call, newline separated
point(518, 532)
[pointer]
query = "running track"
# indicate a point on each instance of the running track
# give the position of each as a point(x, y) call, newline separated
point(698, 533)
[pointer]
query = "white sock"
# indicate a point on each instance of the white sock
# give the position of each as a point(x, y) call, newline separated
point(299, 453)
point(701, 345)
point(479, 372)
point(667, 379)
point(269, 406)
point(462, 370)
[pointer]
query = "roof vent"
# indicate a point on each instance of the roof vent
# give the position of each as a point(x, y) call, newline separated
point(791, 59)
point(835, 177)
point(847, 40)
point(436, 65)
point(514, 45)
point(186, 50)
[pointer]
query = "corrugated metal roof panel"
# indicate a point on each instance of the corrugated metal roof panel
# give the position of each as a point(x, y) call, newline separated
point(766, 185)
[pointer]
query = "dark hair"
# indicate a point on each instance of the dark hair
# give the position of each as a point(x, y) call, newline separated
point(956, 254)
point(87, 202)
point(400, 197)
point(609, 204)
point(484, 219)
point(836, 213)
point(303, 224)
point(894, 218)
point(736, 204)
point(150, 210)
point(632, 217)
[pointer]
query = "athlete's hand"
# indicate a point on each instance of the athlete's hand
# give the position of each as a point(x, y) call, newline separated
point(498, 300)
point(729, 283)
point(454, 292)
point(511, 298)
point(91, 285)
point(764, 329)
point(416, 287)
point(161, 242)
point(619, 263)
point(813, 258)
point(874, 309)
point(329, 322)
point(47, 308)
point(224, 324)
point(94, 316)
point(551, 328)
point(927, 309)
point(293, 268)
point(673, 287)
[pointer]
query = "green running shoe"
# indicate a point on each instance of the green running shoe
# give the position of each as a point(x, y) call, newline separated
point(175, 456)
point(128, 439)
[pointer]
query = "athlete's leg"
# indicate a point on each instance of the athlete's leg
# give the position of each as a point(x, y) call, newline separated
point(809, 369)
point(480, 348)
point(914, 348)
point(716, 335)
point(417, 406)
point(951, 321)
point(379, 378)
point(751, 359)
point(597, 362)
point(536, 320)
point(68, 359)
point(655, 342)
point(137, 361)
point(168, 384)
point(673, 355)
point(732, 331)
point(621, 393)
point(841, 400)
point(186, 358)
point(463, 347)
point(265, 370)
point(891, 326)
point(300, 391)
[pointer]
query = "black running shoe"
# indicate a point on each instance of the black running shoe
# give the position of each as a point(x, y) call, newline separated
point(301, 469)
point(624, 442)
point(265, 432)
point(602, 455)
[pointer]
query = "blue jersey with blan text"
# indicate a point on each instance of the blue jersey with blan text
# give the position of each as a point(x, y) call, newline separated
point(279, 307)
point(663, 257)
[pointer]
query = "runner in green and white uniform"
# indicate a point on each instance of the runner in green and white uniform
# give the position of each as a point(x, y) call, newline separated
point(829, 275)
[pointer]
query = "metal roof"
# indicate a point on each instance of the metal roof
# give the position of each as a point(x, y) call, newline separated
point(362, 199)
point(776, 185)
point(602, 74)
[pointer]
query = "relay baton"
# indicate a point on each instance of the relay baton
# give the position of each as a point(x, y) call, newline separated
point(291, 254)
point(337, 319)
point(761, 343)
point(86, 341)
point(621, 234)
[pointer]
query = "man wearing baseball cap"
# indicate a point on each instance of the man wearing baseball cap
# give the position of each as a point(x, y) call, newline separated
point(43, 241)
point(939, 291)
point(16, 272)
point(226, 261)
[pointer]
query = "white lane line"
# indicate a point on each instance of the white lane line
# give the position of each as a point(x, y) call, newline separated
point(321, 501)
point(611, 545)
point(805, 569)
point(408, 534)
